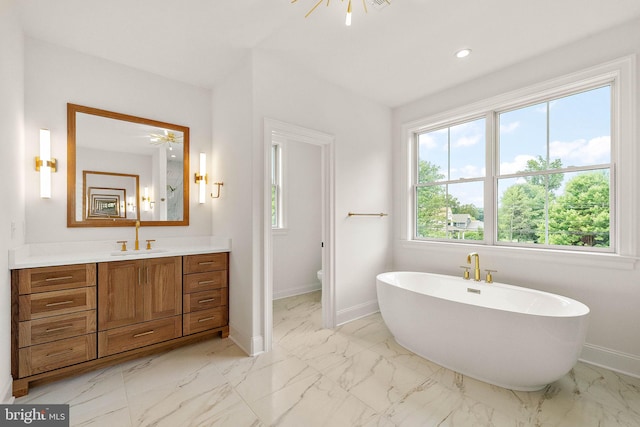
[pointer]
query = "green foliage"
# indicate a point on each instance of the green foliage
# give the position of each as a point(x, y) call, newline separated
point(434, 204)
point(522, 210)
point(474, 211)
point(580, 217)
point(429, 201)
point(274, 206)
point(529, 212)
point(553, 181)
point(521, 213)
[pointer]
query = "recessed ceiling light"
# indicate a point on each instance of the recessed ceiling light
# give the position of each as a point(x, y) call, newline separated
point(463, 53)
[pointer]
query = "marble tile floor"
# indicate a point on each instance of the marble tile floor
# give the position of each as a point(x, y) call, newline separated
point(353, 375)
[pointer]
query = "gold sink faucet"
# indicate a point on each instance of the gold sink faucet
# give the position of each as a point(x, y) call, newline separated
point(137, 247)
point(476, 269)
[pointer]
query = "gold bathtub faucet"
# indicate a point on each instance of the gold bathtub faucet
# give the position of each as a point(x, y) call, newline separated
point(476, 269)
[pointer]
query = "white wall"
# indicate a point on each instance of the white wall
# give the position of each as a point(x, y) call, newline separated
point(232, 163)
point(12, 172)
point(55, 76)
point(297, 255)
point(362, 169)
point(611, 290)
point(266, 87)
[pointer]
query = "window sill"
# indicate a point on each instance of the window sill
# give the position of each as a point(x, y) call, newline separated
point(591, 259)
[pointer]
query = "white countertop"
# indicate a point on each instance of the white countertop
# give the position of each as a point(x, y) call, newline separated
point(66, 253)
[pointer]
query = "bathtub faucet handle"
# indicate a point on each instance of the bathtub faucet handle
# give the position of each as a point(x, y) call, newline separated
point(465, 275)
point(489, 278)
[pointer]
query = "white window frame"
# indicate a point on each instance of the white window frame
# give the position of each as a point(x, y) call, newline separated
point(621, 75)
point(281, 226)
point(414, 174)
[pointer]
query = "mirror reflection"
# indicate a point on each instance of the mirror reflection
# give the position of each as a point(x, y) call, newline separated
point(124, 168)
point(109, 196)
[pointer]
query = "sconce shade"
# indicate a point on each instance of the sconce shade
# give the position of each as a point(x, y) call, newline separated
point(45, 164)
point(201, 178)
point(146, 200)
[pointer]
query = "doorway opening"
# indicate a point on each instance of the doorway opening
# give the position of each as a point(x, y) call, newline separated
point(319, 146)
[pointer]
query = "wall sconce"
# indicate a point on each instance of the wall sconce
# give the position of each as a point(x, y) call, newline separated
point(131, 204)
point(201, 178)
point(45, 164)
point(146, 200)
point(218, 184)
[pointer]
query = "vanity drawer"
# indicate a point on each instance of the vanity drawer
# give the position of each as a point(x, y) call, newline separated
point(45, 304)
point(204, 281)
point(40, 331)
point(43, 279)
point(203, 300)
point(206, 319)
point(129, 337)
point(57, 354)
point(205, 262)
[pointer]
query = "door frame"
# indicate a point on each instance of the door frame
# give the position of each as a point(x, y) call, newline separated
point(326, 142)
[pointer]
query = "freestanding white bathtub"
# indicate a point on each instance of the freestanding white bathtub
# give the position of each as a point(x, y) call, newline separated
point(512, 337)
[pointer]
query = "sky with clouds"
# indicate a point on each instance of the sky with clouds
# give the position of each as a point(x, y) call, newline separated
point(575, 129)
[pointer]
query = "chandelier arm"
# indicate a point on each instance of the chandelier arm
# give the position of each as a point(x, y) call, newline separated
point(313, 8)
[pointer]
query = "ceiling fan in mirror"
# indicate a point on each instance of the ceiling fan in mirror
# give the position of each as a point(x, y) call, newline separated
point(168, 137)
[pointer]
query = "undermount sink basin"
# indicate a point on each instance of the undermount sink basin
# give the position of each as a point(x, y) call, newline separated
point(140, 252)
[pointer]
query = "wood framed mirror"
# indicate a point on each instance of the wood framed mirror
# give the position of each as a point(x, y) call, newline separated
point(122, 168)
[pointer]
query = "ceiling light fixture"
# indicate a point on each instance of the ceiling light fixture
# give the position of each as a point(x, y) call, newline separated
point(167, 137)
point(463, 53)
point(375, 3)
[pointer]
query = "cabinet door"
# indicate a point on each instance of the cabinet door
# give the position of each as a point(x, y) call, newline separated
point(120, 294)
point(163, 287)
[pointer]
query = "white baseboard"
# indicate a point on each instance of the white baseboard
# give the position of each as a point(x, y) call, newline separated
point(357, 311)
point(6, 393)
point(284, 293)
point(617, 361)
point(250, 345)
point(257, 345)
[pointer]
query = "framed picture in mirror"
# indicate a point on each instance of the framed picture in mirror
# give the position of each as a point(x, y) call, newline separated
point(106, 202)
point(109, 198)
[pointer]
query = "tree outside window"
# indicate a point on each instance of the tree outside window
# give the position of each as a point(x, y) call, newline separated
point(552, 175)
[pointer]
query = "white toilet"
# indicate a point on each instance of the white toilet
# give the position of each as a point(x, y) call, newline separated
point(320, 275)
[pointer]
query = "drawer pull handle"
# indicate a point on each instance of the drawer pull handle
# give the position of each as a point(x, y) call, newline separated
point(59, 353)
point(204, 319)
point(61, 328)
point(53, 279)
point(143, 334)
point(202, 301)
point(205, 282)
point(53, 304)
point(206, 263)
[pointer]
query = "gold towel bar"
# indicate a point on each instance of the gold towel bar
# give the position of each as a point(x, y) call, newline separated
point(368, 214)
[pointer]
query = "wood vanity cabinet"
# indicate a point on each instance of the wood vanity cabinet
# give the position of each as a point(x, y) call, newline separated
point(134, 295)
point(205, 286)
point(75, 318)
point(53, 318)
